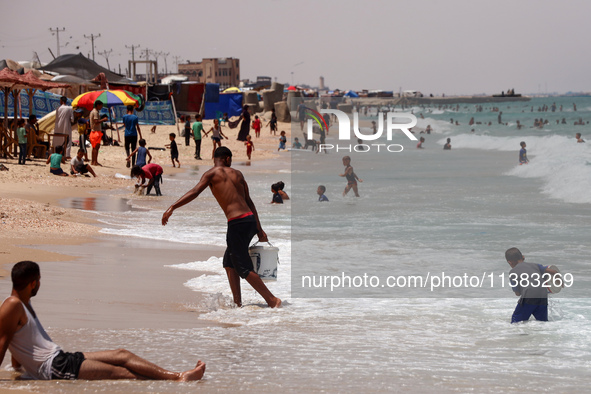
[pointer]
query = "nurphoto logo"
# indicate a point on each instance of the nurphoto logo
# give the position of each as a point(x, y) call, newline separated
point(361, 146)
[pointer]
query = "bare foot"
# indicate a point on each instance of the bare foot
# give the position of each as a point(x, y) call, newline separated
point(194, 374)
point(276, 303)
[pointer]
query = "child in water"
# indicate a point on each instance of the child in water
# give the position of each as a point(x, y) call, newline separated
point(280, 187)
point(282, 141)
point(420, 144)
point(276, 196)
point(523, 154)
point(320, 191)
point(352, 178)
point(447, 146)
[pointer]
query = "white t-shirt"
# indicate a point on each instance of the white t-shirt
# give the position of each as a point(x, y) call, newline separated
point(75, 162)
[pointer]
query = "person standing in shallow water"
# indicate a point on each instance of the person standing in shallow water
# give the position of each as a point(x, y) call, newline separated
point(523, 154)
point(230, 189)
point(352, 178)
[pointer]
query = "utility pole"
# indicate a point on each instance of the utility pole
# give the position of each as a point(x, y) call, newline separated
point(57, 34)
point(177, 60)
point(106, 55)
point(92, 37)
point(149, 67)
point(165, 56)
point(132, 51)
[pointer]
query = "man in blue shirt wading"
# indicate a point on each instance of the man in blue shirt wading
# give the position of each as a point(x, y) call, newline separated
point(132, 128)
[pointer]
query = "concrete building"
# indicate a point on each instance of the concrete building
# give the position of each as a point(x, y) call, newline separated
point(225, 71)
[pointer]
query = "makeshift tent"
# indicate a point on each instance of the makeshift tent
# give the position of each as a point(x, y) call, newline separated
point(230, 103)
point(187, 98)
point(351, 93)
point(212, 92)
point(80, 66)
point(11, 64)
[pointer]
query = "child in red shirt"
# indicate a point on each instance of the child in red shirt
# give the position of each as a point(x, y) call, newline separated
point(256, 125)
point(249, 146)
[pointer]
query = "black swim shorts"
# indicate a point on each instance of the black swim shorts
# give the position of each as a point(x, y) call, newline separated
point(66, 365)
point(82, 168)
point(238, 237)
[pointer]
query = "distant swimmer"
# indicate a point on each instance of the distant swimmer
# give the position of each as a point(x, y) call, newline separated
point(283, 194)
point(38, 357)
point(533, 295)
point(428, 129)
point(277, 199)
point(420, 144)
point(447, 146)
point(352, 178)
point(523, 154)
point(320, 191)
point(578, 137)
point(230, 189)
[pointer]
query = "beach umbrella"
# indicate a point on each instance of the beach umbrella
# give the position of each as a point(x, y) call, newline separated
point(232, 90)
point(292, 88)
point(47, 123)
point(109, 98)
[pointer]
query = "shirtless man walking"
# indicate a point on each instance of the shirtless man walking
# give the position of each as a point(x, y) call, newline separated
point(229, 188)
point(34, 352)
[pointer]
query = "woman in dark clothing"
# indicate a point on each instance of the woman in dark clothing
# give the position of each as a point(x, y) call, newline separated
point(245, 126)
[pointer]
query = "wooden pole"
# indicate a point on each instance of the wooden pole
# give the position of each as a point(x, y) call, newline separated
point(174, 112)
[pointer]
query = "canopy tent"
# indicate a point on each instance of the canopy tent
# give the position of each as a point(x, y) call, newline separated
point(351, 93)
point(230, 103)
point(82, 67)
point(12, 82)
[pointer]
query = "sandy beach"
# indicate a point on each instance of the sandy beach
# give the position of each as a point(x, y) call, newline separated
point(96, 281)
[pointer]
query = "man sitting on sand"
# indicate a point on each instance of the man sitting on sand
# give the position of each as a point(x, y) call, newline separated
point(34, 352)
point(229, 188)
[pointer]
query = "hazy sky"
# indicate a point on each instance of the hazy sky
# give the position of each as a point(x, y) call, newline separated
point(436, 46)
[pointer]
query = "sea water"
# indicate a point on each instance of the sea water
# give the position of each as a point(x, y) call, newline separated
point(420, 211)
